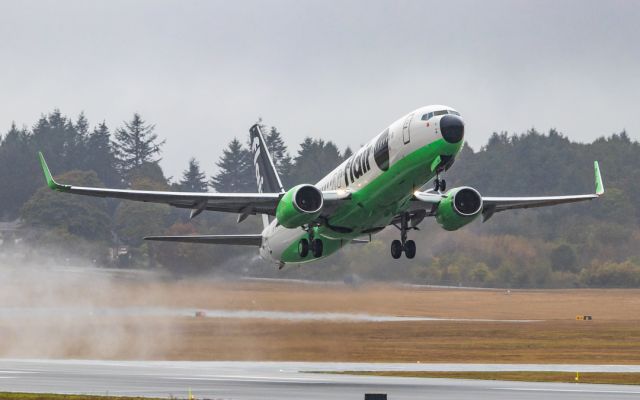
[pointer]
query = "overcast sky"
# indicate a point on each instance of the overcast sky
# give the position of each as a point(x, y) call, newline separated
point(204, 71)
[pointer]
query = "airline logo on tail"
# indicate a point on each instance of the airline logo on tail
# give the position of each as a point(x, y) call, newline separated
point(267, 177)
point(255, 149)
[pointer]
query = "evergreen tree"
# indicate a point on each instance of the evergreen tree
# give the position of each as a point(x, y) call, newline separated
point(193, 180)
point(136, 144)
point(278, 151)
point(57, 137)
point(148, 176)
point(347, 153)
point(19, 175)
point(315, 159)
point(78, 139)
point(100, 156)
point(235, 173)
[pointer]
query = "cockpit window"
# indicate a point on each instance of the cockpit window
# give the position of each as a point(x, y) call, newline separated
point(430, 115)
point(427, 117)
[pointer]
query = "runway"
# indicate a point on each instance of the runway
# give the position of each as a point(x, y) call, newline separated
point(287, 380)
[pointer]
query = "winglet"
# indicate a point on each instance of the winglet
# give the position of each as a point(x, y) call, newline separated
point(599, 184)
point(47, 175)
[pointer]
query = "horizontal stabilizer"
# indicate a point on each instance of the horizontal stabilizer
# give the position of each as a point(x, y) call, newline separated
point(239, 240)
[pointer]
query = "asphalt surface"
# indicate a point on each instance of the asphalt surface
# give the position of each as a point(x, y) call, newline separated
point(276, 380)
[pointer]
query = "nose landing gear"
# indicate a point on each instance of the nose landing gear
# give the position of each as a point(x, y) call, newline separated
point(408, 246)
point(440, 185)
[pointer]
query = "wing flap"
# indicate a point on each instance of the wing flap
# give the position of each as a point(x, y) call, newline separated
point(238, 240)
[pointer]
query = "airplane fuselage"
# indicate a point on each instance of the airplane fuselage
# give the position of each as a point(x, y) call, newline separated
point(381, 178)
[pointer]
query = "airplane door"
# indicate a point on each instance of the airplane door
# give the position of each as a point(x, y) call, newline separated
point(406, 131)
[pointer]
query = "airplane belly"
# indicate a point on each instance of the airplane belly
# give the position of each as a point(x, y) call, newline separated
point(281, 245)
point(279, 239)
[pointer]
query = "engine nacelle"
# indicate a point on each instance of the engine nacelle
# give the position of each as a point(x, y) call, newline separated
point(460, 206)
point(299, 206)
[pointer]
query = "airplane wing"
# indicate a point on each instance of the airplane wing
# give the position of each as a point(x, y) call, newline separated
point(249, 203)
point(241, 203)
point(492, 205)
point(240, 240)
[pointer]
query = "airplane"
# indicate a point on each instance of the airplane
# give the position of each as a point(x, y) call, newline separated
point(376, 187)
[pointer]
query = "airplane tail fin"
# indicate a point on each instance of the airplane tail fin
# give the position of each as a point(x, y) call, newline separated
point(266, 175)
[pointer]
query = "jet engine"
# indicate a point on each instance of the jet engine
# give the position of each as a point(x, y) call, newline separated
point(460, 206)
point(299, 206)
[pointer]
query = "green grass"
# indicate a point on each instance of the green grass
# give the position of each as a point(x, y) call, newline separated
point(616, 378)
point(49, 396)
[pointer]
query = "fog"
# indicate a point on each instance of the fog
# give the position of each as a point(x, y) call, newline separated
point(57, 311)
point(59, 305)
point(204, 71)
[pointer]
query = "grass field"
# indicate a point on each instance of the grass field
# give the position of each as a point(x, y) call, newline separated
point(604, 305)
point(523, 376)
point(374, 299)
point(613, 337)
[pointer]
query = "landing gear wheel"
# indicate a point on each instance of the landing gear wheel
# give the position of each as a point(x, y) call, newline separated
point(439, 185)
point(303, 248)
point(396, 249)
point(410, 249)
point(317, 248)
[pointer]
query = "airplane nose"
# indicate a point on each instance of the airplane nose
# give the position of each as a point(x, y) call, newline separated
point(452, 128)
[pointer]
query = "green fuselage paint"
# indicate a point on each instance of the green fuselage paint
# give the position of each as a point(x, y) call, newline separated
point(381, 178)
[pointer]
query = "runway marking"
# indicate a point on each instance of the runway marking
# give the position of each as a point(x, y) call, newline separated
point(16, 372)
point(568, 390)
point(248, 378)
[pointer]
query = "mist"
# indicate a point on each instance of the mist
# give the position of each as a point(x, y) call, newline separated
point(55, 308)
point(205, 71)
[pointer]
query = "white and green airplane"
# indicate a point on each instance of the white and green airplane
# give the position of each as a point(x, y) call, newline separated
point(376, 187)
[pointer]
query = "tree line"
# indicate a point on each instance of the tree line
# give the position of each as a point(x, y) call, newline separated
point(134, 149)
point(593, 244)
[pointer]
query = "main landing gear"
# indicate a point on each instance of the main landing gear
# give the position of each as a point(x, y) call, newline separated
point(408, 246)
point(315, 246)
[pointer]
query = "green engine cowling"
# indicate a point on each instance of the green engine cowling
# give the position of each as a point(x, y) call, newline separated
point(301, 205)
point(460, 206)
